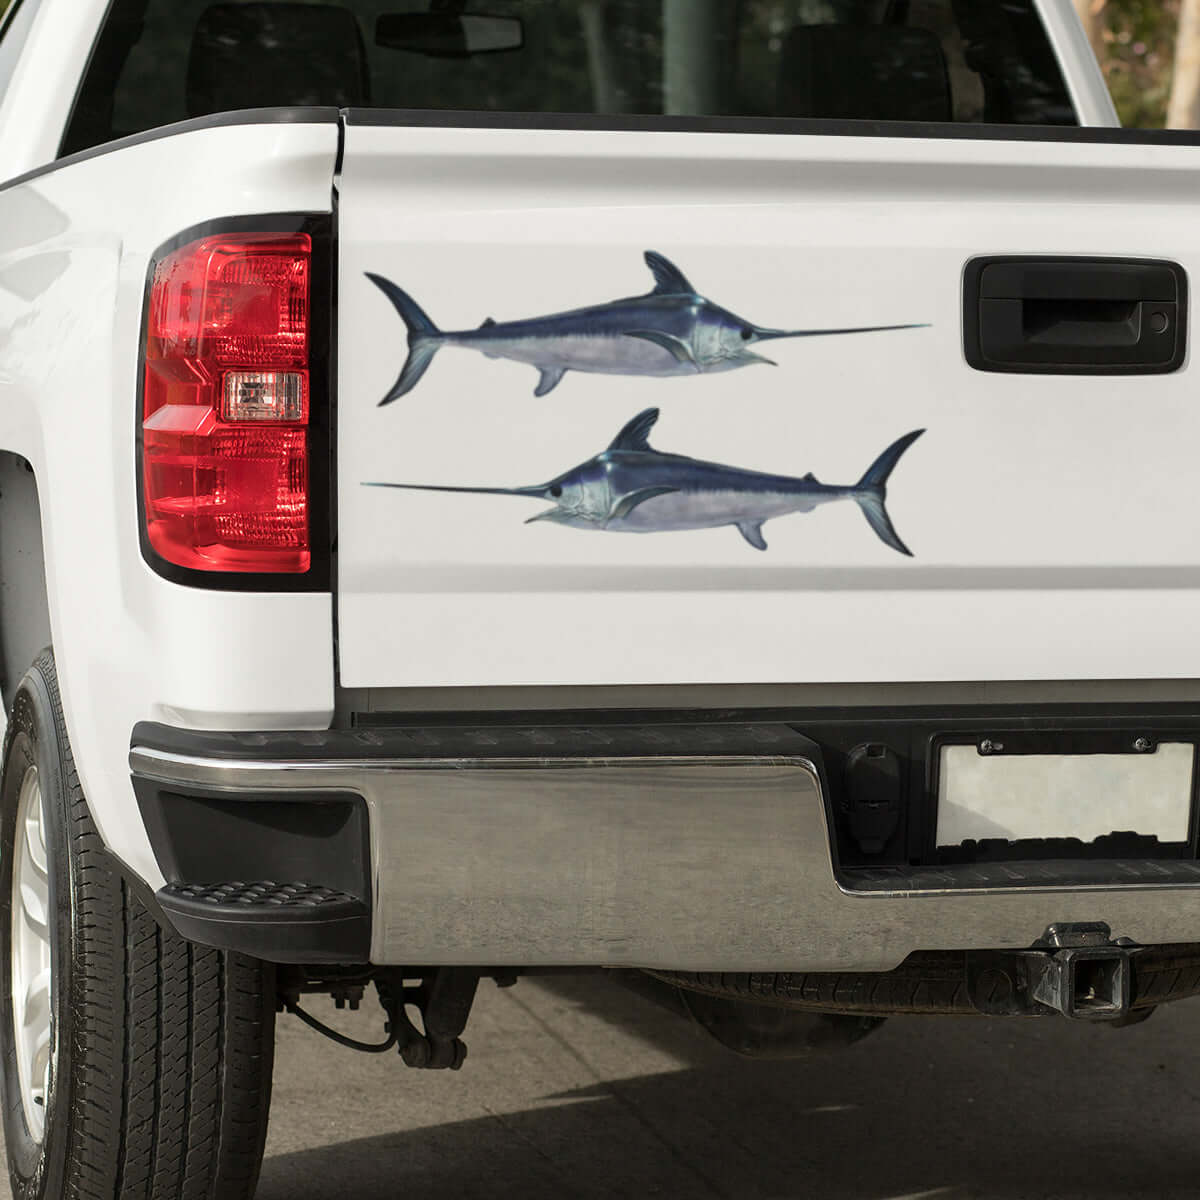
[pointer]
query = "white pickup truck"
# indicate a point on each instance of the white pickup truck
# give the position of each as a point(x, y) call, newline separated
point(330, 658)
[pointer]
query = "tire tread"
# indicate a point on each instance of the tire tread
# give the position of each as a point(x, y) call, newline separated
point(173, 1044)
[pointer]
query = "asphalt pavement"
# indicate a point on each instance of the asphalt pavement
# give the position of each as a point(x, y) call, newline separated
point(578, 1088)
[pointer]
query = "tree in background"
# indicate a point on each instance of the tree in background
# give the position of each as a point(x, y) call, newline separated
point(1184, 110)
point(1135, 43)
point(1150, 53)
point(1091, 13)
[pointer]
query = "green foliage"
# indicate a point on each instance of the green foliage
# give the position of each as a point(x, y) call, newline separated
point(1139, 39)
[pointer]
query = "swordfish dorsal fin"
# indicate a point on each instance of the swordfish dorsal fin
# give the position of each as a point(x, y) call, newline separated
point(635, 434)
point(668, 278)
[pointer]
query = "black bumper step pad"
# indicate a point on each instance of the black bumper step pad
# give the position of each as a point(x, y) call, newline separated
point(283, 922)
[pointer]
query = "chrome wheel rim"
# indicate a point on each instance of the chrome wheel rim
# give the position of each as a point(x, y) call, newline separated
point(31, 967)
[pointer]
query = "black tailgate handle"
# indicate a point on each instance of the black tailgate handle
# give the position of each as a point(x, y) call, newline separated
point(1075, 316)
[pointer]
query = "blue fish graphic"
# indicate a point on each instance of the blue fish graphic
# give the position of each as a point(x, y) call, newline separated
point(633, 488)
point(671, 331)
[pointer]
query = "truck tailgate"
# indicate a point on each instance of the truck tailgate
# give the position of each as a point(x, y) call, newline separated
point(1050, 517)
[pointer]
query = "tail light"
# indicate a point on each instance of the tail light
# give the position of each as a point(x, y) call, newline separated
point(225, 437)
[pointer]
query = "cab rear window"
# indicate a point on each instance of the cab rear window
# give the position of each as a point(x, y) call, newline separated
point(159, 61)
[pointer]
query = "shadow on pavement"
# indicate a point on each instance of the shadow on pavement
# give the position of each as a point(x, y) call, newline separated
point(925, 1108)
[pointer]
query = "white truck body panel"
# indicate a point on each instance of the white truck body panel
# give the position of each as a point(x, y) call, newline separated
point(74, 250)
point(1048, 515)
point(37, 105)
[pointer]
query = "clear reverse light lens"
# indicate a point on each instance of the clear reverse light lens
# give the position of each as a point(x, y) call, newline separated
point(264, 396)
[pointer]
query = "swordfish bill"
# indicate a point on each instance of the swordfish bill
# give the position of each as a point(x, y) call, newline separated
point(672, 330)
point(632, 488)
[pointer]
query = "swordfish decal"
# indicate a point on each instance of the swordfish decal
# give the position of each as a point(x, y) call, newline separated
point(671, 331)
point(633, 488)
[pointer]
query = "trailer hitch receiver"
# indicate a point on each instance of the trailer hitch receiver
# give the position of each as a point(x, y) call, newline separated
point(1084, 973)
point(1080, 971)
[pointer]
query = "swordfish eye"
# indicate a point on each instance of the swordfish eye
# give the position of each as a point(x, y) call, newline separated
point(747, 333)
point(556, 491)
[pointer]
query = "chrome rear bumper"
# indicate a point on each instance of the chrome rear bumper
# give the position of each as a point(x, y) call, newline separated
point(715, 862)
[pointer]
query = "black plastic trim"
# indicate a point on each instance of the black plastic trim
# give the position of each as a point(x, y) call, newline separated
point(335, 275)
point(420, 118)
point(625, 736)
point(1036, 874)
point(318, 578)
point(583, 122)
point(203, 837)
point(249, 116)
point(1072, 360)
point(337, 931)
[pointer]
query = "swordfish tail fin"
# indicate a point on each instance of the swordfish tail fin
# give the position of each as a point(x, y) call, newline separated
point(424, 338)
point(871, 492)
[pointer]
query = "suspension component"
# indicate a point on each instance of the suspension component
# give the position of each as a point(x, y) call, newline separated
point(443, 997)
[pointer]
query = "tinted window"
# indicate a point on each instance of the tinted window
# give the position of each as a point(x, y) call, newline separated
point(13, 33)
point(939, 60)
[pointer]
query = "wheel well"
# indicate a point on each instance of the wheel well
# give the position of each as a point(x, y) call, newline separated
point(24, 609)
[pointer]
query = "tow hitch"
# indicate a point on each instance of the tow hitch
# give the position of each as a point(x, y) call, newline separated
point(1080, 971)
point(1087, 976)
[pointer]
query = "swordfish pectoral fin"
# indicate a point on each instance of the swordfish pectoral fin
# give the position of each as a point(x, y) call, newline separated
point(631, 500)
point(550, 514)
point(748, 358)
point(551, 377)
point(752, 532)
point(677, 348)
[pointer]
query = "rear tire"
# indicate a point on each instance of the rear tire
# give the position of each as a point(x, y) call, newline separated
point(160, 1051)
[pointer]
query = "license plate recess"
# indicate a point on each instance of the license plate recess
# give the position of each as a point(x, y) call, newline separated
point(1017, 795)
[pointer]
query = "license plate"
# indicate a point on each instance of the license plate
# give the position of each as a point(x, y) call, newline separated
point(1033, 796)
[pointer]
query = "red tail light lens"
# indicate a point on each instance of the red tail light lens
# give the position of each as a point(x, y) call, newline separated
point(225, 435)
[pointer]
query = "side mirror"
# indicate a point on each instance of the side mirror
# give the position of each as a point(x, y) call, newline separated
point(449, 34)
